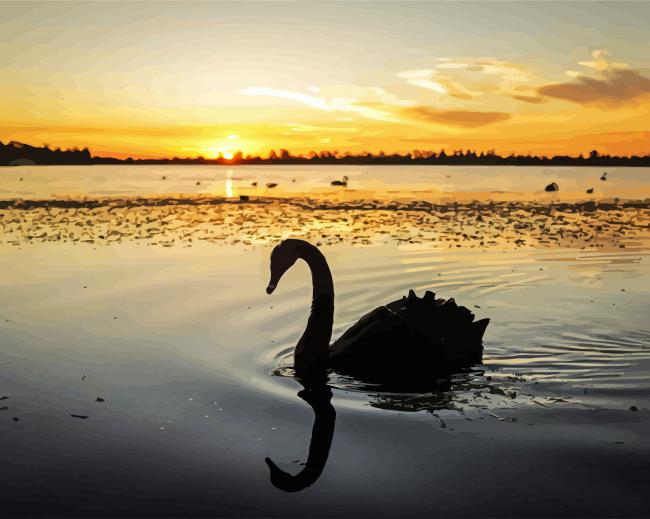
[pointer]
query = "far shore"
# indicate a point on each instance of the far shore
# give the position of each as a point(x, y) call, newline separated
point(19, 154)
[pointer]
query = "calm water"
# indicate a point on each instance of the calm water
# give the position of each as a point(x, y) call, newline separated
point(191, 357)
point(424, 182)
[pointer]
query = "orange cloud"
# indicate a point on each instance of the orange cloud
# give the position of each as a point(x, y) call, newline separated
point(617, 88)
point(530, 99)
point(462, 118)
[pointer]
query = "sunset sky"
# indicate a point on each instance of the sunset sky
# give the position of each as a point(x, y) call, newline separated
point(164, 79)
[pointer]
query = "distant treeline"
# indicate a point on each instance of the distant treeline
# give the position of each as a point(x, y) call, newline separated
point(16, 153)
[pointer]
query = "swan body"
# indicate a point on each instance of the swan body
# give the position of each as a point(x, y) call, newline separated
point(406, 336)
point(411, 334)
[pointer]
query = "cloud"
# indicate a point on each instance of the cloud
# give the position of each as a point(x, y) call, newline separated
point(617, 87)
point(462, 118)
point(601, 62)
point(422, 78)
point(452, 76)
point(309, 100)
point(431, 80)
point(434, 86)
point(530, 99)
point(335, 104)
point(416, 74)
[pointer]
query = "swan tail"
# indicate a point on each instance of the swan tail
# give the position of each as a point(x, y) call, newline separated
point(479, 328)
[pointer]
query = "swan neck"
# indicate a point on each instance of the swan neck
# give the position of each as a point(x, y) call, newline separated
point(321, 276)
point(312, 350)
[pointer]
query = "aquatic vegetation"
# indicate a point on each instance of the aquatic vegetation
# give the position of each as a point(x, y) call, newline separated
point(168, 221)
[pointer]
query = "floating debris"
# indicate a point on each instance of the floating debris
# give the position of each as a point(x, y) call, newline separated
point(4, 397)
point(15, 419)
point(543, 404)
point(271, 185)
point(552, 187)
point(99, 399)
point(590, 190)
point(4, 408)
point(634, 408)
point(604, 176)
point(80, 416)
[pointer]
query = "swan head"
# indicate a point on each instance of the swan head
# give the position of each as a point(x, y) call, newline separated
point(283, 257)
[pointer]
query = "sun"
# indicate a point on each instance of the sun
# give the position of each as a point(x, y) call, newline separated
point(214, 152)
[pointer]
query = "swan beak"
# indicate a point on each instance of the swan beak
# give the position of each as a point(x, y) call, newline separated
point(270, 288)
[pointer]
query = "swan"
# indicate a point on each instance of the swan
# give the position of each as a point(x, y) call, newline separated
point(343, 182)
point(408, 336)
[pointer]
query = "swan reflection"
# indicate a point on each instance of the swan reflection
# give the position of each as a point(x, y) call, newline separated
point(319, 396)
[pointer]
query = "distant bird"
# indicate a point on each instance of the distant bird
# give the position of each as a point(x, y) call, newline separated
point(404, 337)
point(590, 190)
point(343, 182)
point(604, 176)
point(271, 185)
point(552, 187)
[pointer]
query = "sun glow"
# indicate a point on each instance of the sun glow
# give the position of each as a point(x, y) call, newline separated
point(214, 152)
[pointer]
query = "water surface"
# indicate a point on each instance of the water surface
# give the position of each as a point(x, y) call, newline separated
point(192, 360)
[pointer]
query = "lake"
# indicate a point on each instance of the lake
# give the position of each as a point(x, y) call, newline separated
point(422, 182)
point(147, 373)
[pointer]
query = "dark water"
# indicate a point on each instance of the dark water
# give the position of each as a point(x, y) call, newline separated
point(188, 354)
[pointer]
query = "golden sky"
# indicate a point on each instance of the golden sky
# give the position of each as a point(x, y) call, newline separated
point(164, 79)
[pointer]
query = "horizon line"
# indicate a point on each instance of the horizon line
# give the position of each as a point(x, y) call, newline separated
point(283, 154)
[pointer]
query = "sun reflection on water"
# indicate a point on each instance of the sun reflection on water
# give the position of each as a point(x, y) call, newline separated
point(229, 173)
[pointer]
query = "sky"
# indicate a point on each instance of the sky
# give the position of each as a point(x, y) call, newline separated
point(153, 79)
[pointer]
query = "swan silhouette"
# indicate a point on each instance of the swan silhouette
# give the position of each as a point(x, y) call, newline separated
point(400, 339)
point(319, 396)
